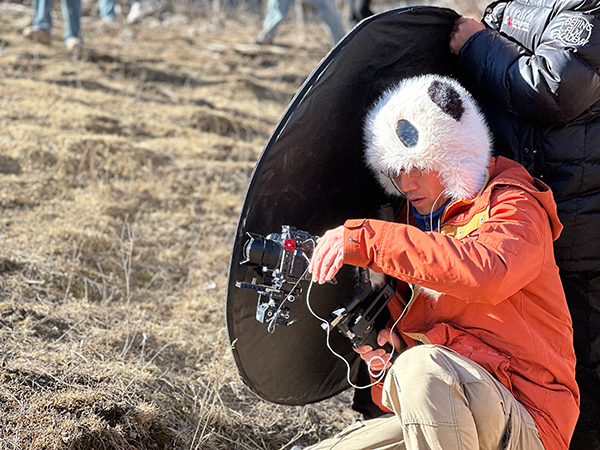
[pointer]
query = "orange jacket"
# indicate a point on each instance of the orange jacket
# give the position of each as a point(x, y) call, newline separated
point(499, 298)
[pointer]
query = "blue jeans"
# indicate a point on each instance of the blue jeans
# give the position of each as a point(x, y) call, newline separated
point(71, 10)
point(107, 9)
point(277, 9)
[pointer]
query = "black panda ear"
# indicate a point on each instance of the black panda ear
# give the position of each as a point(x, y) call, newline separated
point(445, 96)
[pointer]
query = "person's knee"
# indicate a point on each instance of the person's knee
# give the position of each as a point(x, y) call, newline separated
point(417, 360)
point(418, 373)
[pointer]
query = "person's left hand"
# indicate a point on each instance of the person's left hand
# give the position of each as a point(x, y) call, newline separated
point(328, 257)
point(378, 359)
point(464, 28)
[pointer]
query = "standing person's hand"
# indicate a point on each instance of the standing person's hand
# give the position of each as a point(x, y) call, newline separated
point(328, 257)
point(464, 28)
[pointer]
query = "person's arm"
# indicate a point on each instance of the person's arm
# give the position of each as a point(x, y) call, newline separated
point(553, 85)
point(494, 262)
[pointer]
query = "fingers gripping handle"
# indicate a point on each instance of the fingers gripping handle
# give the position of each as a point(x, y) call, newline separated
point(371, 340)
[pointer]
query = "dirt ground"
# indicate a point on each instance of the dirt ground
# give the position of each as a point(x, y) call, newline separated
point(122, 173)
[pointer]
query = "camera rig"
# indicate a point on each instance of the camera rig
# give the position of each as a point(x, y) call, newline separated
point(365, 313)
point(282, 259)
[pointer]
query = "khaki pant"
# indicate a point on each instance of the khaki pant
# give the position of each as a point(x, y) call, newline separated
point(441, 400)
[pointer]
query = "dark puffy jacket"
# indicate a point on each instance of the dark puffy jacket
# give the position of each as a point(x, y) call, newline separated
point(535, 72)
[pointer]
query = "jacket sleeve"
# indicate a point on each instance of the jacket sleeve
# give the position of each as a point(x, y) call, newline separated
point(490, 264)
point(551, 85)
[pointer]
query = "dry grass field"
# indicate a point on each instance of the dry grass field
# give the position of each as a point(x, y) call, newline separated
point(122, 174)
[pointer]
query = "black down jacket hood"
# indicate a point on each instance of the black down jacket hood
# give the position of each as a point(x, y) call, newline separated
point(534, 71)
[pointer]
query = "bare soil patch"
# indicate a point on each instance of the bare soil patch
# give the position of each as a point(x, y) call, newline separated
point(122, 174)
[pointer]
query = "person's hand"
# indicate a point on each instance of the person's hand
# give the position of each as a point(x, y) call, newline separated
point(464, 28)
point(379, 359)
point(328, 257)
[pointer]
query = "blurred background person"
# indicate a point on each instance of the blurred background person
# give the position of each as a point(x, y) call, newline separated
point(138, 11)
point(107, 10)
point(277, 10)
point(41, 29)
point(359, 10)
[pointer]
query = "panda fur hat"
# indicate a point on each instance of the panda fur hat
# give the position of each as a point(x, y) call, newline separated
point(430, 123)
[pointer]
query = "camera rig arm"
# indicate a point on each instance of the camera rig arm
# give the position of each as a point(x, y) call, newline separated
point(282, 260)
point(357, 318)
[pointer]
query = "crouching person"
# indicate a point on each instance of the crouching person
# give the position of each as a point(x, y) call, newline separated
point(489, 361)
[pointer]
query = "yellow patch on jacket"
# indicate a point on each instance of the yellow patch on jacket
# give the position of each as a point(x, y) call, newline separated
point(460, 231)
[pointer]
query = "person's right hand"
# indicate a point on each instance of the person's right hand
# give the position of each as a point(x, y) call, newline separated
point(464, 28)
point(328, 257)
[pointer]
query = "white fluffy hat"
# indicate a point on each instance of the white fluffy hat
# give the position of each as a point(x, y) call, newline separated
point(431, 123)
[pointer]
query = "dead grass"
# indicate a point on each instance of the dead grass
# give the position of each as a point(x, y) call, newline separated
point(122, 174)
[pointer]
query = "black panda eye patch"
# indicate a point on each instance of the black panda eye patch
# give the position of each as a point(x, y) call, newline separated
point(407, 133)
point(446, 97)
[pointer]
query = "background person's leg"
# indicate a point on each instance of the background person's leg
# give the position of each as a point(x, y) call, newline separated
point(359, 10)
point(107, 10)
point(332, 19)
point(42, 18)
point(276, 11)
point(42, 23)
point(138, 10)
point(71, 10)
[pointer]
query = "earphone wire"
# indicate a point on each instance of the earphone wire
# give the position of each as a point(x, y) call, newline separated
point(376, 377)
point(431, 214)
point(327, 341)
